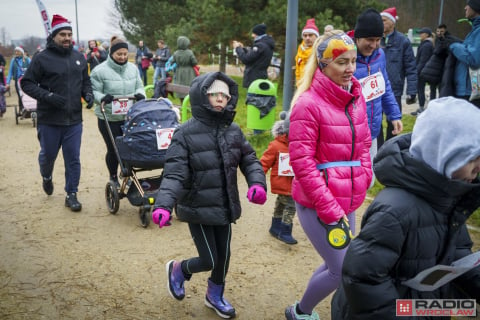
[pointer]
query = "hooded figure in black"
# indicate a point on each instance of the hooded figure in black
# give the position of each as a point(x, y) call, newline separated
point(200, 178)
point(418, 221)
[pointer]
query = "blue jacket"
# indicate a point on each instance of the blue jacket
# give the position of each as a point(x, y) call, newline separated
point(386, 103)
point(468, 55)
point(18, 66)
point(400, 63)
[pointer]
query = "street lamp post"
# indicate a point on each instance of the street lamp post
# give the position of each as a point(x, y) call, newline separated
point(76, 17)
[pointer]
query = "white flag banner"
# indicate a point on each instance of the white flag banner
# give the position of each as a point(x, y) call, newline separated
point(45, 18)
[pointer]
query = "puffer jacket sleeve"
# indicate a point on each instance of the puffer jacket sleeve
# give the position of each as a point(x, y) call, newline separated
point(269, 156)
point(368, 286)
point(251, 166)
point(97, 85)
point(176, 172)
point(303, 137)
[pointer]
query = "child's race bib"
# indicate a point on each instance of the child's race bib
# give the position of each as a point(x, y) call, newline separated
point(284, 167)
point(164, 138)
point(373, 86)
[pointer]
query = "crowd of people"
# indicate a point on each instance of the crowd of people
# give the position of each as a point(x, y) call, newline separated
point(326, 152)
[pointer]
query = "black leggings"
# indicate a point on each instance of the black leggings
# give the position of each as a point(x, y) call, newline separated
point(213, 246)
point(110, 157)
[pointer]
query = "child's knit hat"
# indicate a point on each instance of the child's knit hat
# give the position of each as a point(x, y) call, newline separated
point(219, 86)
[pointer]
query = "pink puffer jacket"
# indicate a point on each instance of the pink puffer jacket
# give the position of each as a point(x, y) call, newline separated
point(329, 124)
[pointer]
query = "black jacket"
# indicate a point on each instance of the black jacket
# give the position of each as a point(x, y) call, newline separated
point(63, 72)
point(424, 52)
point(256, 59)
point(200, 172)
point(416, 222)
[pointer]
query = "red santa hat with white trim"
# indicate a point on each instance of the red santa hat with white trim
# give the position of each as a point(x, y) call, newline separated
point(390, 13)
point(59, 23)
point(310, 27)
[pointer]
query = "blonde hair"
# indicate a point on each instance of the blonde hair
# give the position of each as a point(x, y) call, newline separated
point(312, 64)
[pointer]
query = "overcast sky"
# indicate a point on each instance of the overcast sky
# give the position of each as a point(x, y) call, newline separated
point(21, 18)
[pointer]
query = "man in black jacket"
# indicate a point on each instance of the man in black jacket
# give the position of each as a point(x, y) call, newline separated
point(256, 59)
point(424, 52)
point(58, 79)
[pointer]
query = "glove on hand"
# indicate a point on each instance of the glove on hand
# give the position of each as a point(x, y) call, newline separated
point(89, 99)
point(257, 194)
point(139, 96)
point(108, 98)
point(161, 217)
point(412, 99)
point(56, 100)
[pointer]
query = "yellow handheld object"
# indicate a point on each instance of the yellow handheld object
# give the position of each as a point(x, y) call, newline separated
point(338, 235)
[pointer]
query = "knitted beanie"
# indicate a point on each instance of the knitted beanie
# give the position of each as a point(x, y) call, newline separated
point(219, 86)
point(117, 43)
point(260, 29)
point(369, 24)
point(475, 5)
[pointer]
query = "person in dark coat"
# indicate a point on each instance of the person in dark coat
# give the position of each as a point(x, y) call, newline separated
point(256, 59)
point(58, 79)
point(200, 178)
point(433, 70)
point(400, 64)
point(432, 186)
point(424, 52)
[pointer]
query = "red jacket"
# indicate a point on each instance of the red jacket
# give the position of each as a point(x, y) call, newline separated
point(329, 124)
point(269, 160)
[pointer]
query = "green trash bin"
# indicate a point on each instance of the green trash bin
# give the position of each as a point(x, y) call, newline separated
point(266, 91)
point(186, 109)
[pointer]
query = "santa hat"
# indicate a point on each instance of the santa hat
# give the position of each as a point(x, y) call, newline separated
point(310, 27)
point(390, 13)
point(20, 49)
point(59, 23)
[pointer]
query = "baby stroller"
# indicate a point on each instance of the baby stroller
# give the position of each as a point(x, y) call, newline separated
point(29, 109)
point(148, 130)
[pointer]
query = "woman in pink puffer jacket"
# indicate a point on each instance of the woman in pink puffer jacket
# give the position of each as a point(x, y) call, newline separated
point(329, 153)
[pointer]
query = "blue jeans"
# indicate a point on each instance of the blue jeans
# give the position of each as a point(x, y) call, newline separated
point(159, 71)
point(69, 138)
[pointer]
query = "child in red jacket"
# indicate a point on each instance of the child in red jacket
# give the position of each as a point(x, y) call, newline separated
point(276, 157)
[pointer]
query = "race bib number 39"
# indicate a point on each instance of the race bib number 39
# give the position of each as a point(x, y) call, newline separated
point(121, 106)
point(164, 137)
point(373, 86)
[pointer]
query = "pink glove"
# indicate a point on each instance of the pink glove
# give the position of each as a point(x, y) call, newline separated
point(257, 194)
point(161, 217)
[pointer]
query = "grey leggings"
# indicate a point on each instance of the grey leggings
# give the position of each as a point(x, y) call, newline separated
point(327, 277)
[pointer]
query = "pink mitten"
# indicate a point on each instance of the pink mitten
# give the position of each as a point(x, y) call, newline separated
point(257, 194)
point(160, 216)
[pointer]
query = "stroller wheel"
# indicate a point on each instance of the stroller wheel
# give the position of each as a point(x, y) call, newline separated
point(144, 219)
point(112, 198)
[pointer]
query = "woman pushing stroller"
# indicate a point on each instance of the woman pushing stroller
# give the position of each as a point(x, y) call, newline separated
point(115, 77)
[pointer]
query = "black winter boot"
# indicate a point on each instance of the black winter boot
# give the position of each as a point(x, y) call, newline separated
point(275, 227)
point(285, 234)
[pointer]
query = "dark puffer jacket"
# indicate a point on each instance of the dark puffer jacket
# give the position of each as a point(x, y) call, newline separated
point(257, 59)
point(416, 222)
point(63, 72)
point(200, 173)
